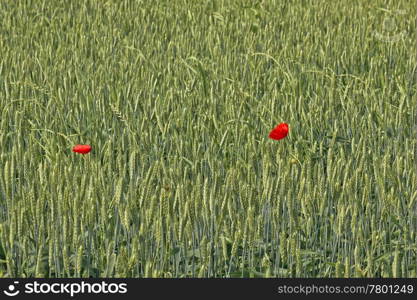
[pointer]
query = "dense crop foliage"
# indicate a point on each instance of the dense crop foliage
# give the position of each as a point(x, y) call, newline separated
point(177, 99)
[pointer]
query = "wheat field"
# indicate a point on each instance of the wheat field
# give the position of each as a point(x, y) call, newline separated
point(177, 99)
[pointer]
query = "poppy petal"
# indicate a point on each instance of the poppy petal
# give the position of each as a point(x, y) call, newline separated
point(279, 132)
point(83, 149)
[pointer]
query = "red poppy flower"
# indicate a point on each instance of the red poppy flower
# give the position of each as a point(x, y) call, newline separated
point(83, 149)
point(279, 132)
